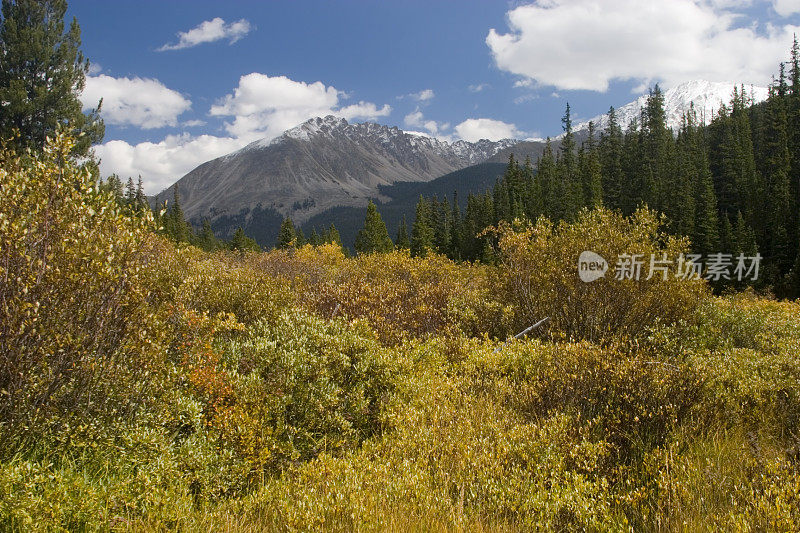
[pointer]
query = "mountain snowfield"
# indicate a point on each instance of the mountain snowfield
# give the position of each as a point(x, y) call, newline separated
point(707, 96)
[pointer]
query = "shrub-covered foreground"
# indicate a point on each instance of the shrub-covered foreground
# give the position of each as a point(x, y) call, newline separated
point(144, 387)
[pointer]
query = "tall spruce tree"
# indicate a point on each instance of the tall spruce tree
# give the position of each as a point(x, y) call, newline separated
point(422, 232)
point(776, 166)
point(402, 242)
point(794, 149)
point(456, 230)
point(567, 171)
point(42, 74)
point(373, 238)
point(332, 236)
point(613, 180)
point(287, 236)
point(242, 243)
point(175, 224)
point(591, 170)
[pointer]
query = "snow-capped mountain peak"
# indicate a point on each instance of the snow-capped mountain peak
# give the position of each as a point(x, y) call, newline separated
point(391, 137)
point(707, 97)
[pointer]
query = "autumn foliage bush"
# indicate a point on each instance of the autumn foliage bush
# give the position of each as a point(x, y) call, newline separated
point(538, 275)
point(400, 297)
point(81, 333)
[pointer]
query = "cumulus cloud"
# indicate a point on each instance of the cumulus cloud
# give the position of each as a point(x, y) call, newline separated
point(786, 8)
point(161, 164)
point(142, 102)
point(586, 44)
point(265, 106)
point(416, 119)
point(208, 32)
point(475, 129)
point(259, 107)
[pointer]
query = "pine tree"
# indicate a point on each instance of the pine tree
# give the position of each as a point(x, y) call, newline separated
point(776, 166)
point(552, 191)
point(456, 231)
point(206, 240)
point(422, 232)
point(241, 242)
point(402, 242)
point(441, 229)
point(567, 171)
point(314, 239)
point(373, 238)
point(113, 185)
point(42, 74)
point(140, 199)
point(287, 237)
point(705, 239)
point(611, 162)
point(333, 236)
point(300, 237)
point(633, 194)
point(175, 224)
point(658, 185)
point(130, 192)
point(744, 237)
point(591, 171)
point(533, 199)
point(794, 149)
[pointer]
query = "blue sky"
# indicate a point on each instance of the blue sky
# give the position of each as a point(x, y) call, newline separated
point(184, 82)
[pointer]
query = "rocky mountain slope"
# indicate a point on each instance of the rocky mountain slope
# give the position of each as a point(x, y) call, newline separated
point(320, 164)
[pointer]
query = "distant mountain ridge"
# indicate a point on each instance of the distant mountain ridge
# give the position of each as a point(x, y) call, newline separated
point(320, 164)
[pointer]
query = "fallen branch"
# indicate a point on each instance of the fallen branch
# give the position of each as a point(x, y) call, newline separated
point(522, 333)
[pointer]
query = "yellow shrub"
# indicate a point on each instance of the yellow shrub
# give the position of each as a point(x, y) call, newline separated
point(539, 275)
point(80, 330)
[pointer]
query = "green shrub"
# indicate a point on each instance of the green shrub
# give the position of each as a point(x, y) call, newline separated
point(296, 388)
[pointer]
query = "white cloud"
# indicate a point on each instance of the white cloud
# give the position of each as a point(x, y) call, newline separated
point(210, 31)
point(478, 88)
point(475, 129)
point(142, 102)
point(364, 110)
point(424, 95)
point(161, 164)
point(265, 106)
point(416, 119)
point(786, 8)
point(585, 44)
